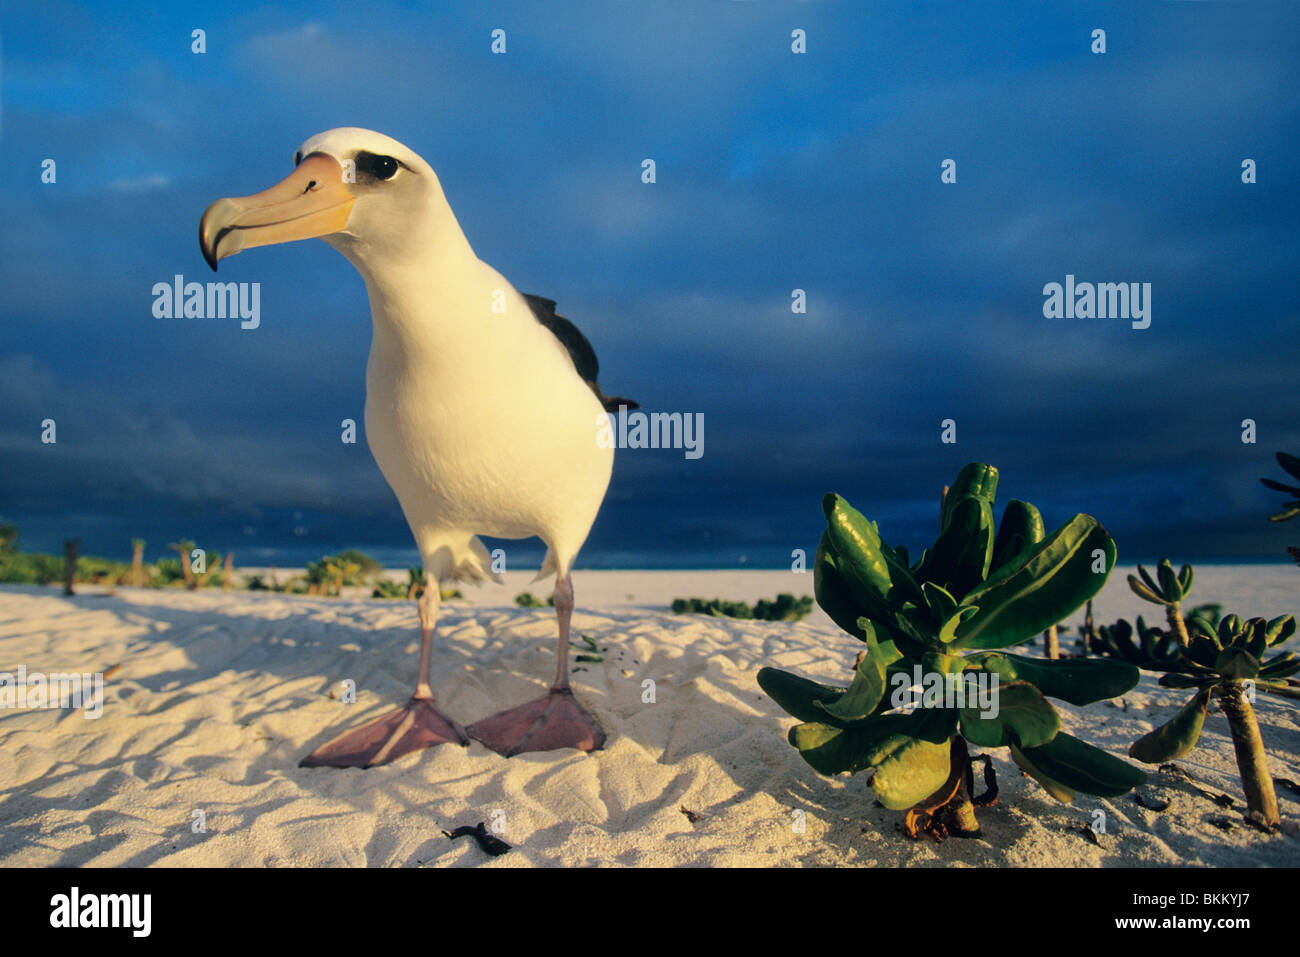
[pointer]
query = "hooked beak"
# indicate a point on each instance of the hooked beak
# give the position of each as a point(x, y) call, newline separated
point(311, 201)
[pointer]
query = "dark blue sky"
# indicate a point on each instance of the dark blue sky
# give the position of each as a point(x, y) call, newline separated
point(775, 171)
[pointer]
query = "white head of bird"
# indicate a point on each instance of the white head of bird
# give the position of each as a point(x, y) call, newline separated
point(371, 198)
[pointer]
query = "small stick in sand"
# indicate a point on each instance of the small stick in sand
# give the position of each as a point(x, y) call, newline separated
point(487, 842)
point(137, 563)
point(71, 546)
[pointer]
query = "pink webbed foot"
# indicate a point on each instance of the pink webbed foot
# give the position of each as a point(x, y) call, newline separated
point(417, 726)
point(551, 722)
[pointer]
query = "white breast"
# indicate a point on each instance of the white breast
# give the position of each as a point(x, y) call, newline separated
point(480, 423)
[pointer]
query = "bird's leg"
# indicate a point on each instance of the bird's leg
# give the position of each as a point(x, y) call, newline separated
point(555, 720)
point(418, 725)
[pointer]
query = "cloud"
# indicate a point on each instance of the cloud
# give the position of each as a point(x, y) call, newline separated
point(775, 171)
point(140, 184)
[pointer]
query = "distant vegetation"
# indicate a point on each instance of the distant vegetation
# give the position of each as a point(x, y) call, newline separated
point(414, 587)
point(326, 577)
point(39, 568)
point(785, 608)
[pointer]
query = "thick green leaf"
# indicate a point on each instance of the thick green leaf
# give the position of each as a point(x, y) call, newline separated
point(948, 630)
point(1257, 638)
point(864, 744)
point(1281, 666)
point(912, 771)
point(983, 732)
point(857, 547)
point(1039, 588)
point(976, 479)
point(1023, 715)
point(1230, 629)
point(1202, 650)
point(1076, 680)
point(1142, 591)
point(935, 725)
point(868, 685)
point(1281, 688)
point(797, 696)
point(1053, 787)
point(1281, 487)
point(1280, 629)
point(1021, 527)
point(1169, 586)
point(832, 750)
point(862, 558)
point(1082, 767)
point(1290, 463)
point(1176, 737)
point(959, 559)
point(941, 604)
point(1150, 582)
point(835, 595)
point(1175, 680)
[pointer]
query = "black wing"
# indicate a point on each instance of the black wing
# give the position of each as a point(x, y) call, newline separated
point(579, 349)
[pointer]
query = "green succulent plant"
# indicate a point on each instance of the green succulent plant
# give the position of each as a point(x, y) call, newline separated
point(1226, 661)
point(978, 589)
point(1154, 649)
point(1291, 508)
point(1167, 589)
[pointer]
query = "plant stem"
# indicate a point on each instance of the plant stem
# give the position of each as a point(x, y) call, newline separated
point(1176, 624)
point(1251, 760)
point(1051, 644)
point(959, 812)
point(1088, 631)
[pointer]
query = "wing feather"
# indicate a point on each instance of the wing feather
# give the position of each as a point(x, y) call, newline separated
point(579, 349)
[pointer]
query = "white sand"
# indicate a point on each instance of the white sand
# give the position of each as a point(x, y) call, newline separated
point(219, 696)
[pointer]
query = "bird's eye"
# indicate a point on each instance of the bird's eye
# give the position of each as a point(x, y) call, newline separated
point(385, 167)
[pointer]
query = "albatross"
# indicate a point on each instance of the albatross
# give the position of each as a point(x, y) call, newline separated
point(482, 410)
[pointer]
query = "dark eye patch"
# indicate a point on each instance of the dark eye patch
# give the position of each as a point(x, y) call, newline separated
point(297, 158)
point(380, 167)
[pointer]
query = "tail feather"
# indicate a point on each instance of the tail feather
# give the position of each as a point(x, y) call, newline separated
point(475, 566)
point(550, 566)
